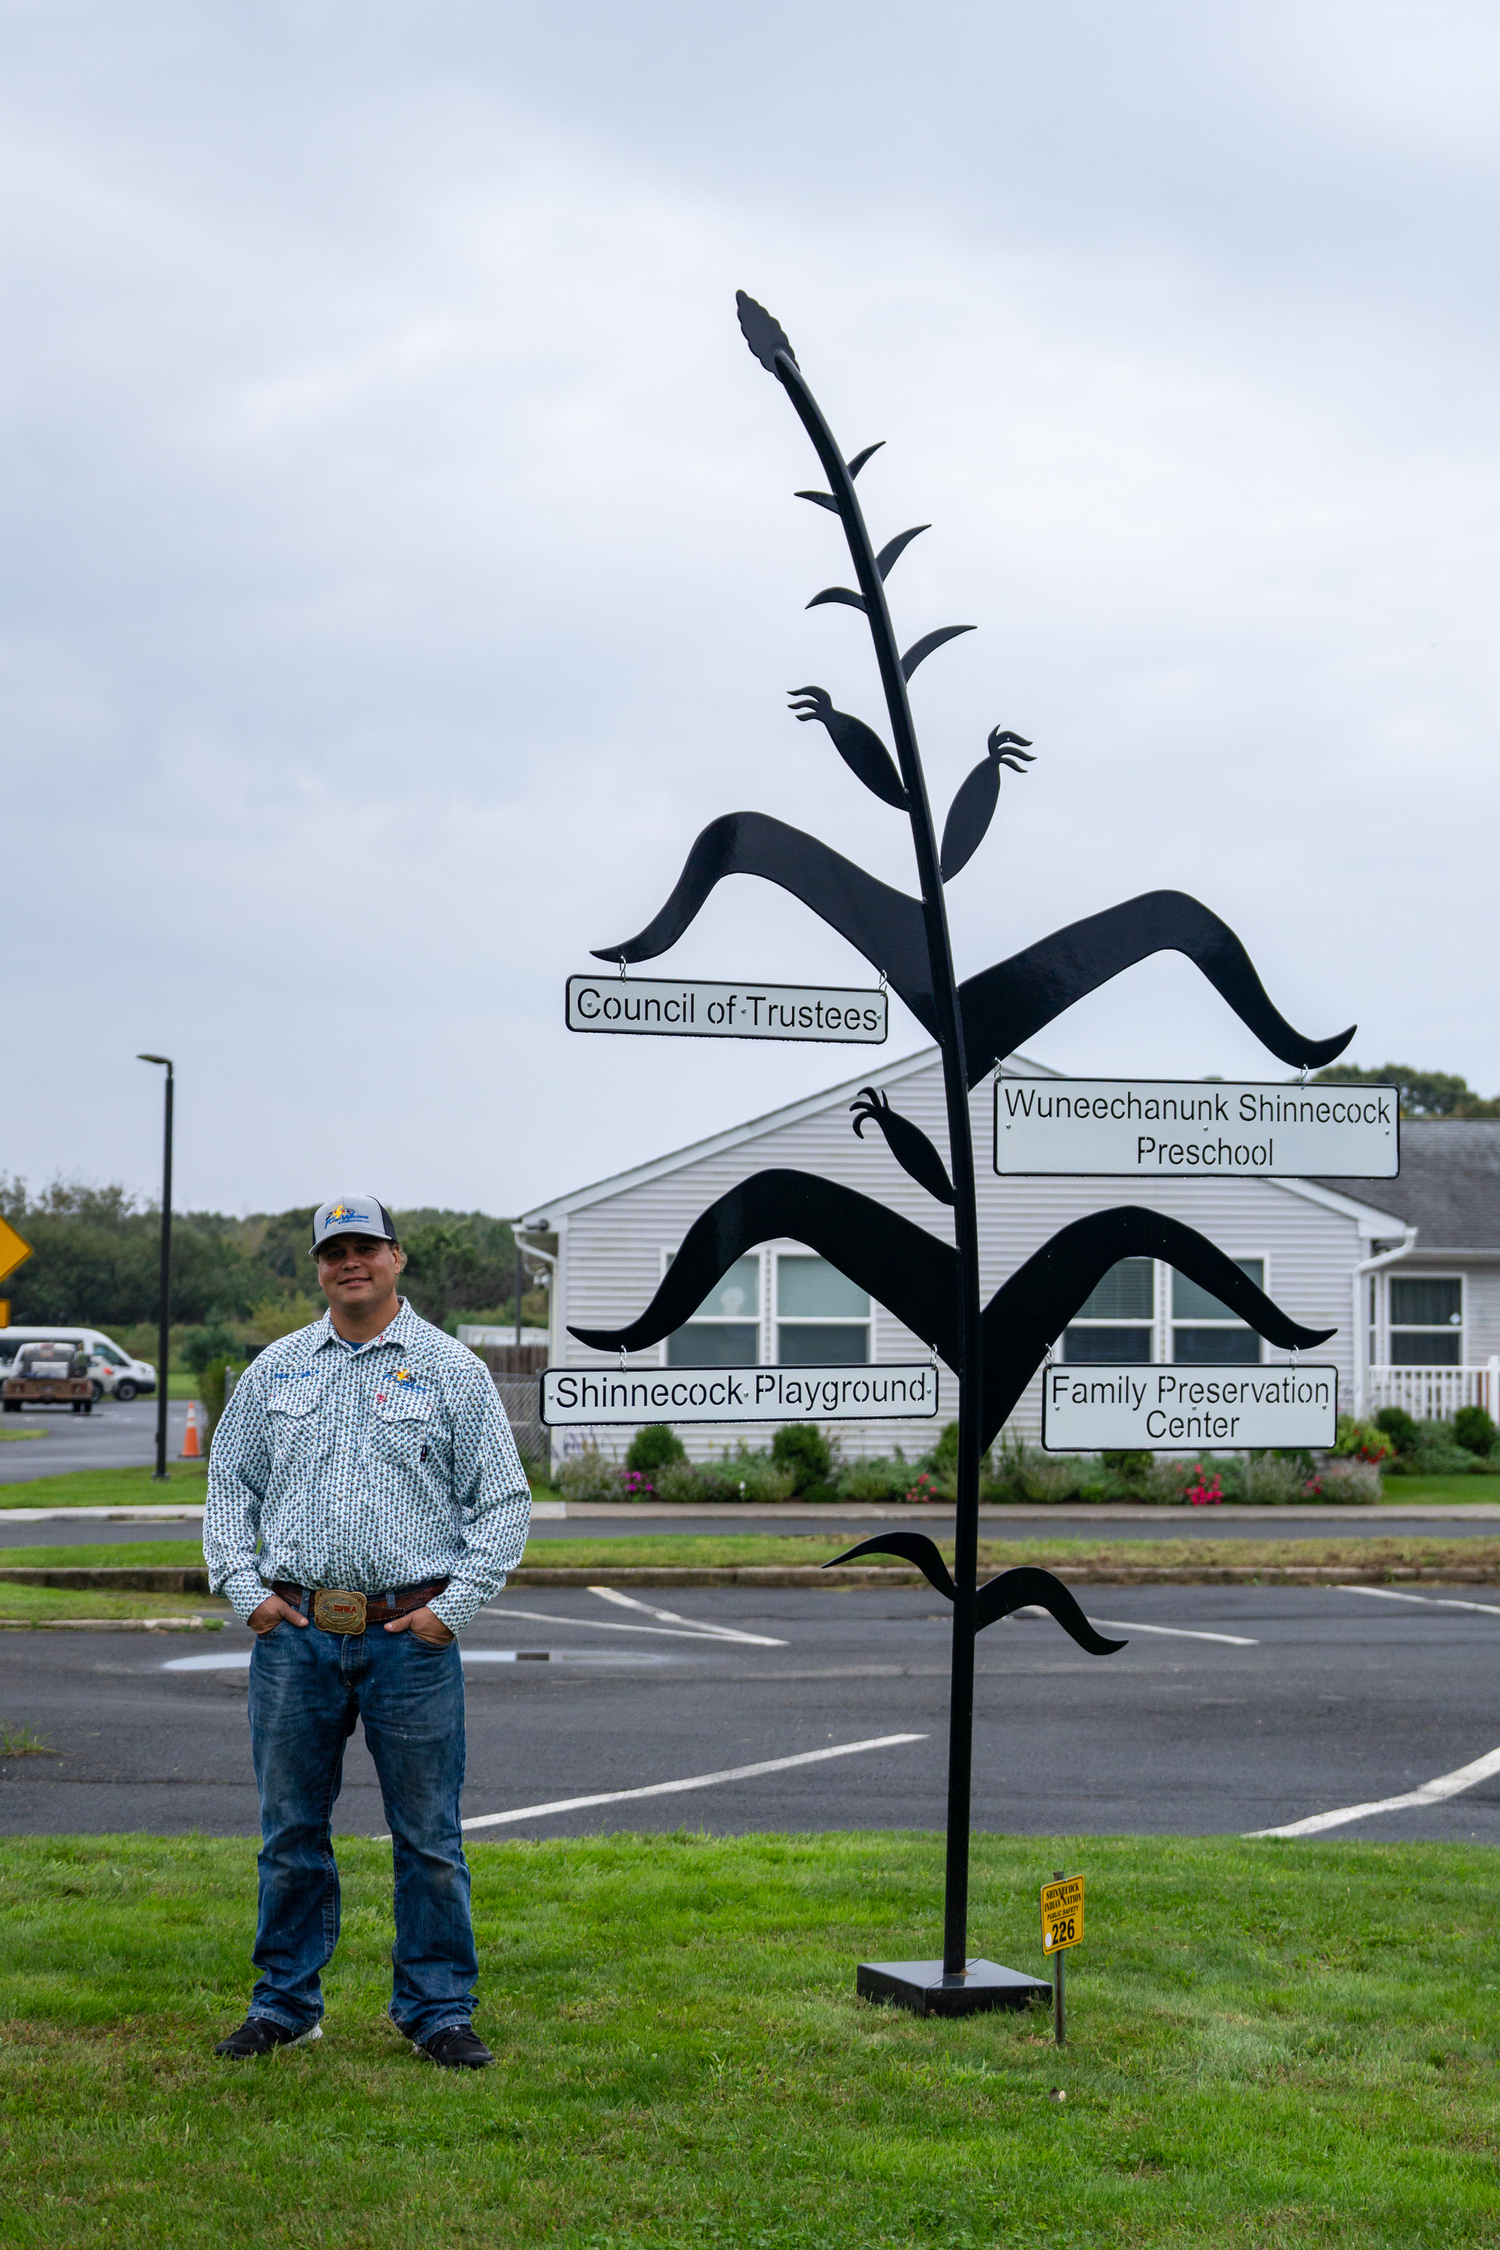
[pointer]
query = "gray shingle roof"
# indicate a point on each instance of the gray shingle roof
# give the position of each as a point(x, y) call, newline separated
point(1449, 1183)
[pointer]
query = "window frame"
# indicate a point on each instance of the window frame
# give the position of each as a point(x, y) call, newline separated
point(755, 1320)
point(1225, 1327)
point(775, 1317)
point(1394, 1328)
point(1150, 1322)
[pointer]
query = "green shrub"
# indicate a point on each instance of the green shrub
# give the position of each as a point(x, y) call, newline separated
point(211, 1388)
point(1474, 1430)
point(1399, 1427)
point(800, 1451)
point(941, 1460)
point(1362, 1441)
point(1022, 1472)
point(590, 1475)
point(214, 1341)
point(1130, 1468)
point(888, 1477)
point(735, 1477)
point(653, 1448)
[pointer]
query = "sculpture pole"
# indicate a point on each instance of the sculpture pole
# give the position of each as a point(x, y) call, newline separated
point(950, 1040)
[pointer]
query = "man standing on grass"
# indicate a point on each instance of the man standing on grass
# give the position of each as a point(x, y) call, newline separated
point(365, 1499)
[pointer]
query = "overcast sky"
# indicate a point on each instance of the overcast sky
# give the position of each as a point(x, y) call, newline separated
point(401, 564)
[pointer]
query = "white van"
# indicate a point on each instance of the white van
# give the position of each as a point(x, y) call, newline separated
point(114, 1373)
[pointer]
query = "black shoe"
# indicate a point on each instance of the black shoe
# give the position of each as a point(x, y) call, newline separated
point(455, 2049)
point(259, 2035)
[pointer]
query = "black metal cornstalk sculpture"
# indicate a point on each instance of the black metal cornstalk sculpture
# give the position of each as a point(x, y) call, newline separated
point(934, 1289)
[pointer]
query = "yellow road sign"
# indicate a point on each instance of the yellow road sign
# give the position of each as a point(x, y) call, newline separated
point(13, 1250)
point(1062, 1914)
point(4, 1312)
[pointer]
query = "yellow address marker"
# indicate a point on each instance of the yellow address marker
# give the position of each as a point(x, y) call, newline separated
point(1062, 1914)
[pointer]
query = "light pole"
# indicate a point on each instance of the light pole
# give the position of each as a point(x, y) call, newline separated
point(164, 1293)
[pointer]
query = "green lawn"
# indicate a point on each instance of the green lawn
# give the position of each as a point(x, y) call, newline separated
point(728, 1549)
point(111, 1488)
point(1271, 2045)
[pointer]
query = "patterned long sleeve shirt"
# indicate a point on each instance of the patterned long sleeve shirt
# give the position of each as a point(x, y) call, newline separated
point(366, 1467)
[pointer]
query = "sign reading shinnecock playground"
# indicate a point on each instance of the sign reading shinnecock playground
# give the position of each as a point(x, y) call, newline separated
point(1161, 1128)
point(1151, 1409)
point(658, 1009)
point(585, 1396)
point(932, 1285)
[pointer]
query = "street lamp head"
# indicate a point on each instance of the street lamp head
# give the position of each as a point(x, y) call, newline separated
point(166, 1059)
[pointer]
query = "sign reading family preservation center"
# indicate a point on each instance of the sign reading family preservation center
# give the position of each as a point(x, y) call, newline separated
point(1149, 1408)
point(661, 1009)
point(574, 1395)
point(1154, 1128)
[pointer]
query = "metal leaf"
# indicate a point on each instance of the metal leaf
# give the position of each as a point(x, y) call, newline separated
point(911, 1546)
point(1028, 1588)
point(1031, 1310)
point(900, 1265)
point(1005, 1006)
point(859, 746)
point(885, 925)
point(926, 645)
point(860, 459)
point(844, 594)
point(969, 817)
point(820, 500)
point(908, 1143)
point(762, 332)
point(891, 553)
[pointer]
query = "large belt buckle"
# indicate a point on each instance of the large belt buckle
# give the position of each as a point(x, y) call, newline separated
point(339, 1613)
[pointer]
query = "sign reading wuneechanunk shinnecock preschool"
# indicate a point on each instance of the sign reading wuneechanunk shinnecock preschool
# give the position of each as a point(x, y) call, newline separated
point(1154, 1128)
point(1155, 1409)
point(674, 1008)
point(584, 1395)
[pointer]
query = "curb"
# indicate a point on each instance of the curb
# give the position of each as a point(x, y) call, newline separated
point(111, 1624)
point(117, 1578)
point(1075, 1574)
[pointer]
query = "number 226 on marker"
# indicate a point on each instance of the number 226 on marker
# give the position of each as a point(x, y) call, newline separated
point(1062, 1914)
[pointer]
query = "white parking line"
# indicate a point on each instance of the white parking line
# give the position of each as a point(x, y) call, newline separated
point(1430, 1601)
point(670, 1617)
point(1177, 1632)
point(1431, 1793)
point(693, 1781)
point(618, 1625)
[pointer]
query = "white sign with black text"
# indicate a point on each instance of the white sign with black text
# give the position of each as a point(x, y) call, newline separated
point(578, 1395)
point(1152, 1409)
point(665, 1010)
point(1156, 1128)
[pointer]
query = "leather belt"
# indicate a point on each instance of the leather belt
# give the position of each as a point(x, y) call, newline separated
point(339, 1612)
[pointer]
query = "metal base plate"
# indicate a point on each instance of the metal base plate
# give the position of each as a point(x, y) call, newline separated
point(922, 1987)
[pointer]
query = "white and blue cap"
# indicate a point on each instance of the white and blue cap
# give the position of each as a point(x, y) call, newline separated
point(351, 1214)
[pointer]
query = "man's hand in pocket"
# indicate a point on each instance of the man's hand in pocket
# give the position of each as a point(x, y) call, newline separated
point(424, 1624)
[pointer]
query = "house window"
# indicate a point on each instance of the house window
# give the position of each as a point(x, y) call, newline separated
point(1427, 1322)
point(1114, 1320)
point(1205, 1333)
point(725, 1330)
point(821, 1318)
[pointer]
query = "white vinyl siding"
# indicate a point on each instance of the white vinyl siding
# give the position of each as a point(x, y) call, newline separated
point(611, 1249)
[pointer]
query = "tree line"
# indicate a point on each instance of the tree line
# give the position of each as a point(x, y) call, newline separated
point(1422, 1093)
point(96, 1257)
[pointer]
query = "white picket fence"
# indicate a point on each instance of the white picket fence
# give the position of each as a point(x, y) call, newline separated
point(1434, 1394)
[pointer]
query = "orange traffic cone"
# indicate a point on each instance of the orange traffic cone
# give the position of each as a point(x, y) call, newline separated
point(191, 1449)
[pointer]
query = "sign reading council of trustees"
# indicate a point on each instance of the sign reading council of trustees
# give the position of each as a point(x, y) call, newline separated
point(737, 1394)
point(1155, 1409)
point(1154, 1128)
point(663, 1010)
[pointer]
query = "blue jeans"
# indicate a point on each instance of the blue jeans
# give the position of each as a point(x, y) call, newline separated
point(308, 1690)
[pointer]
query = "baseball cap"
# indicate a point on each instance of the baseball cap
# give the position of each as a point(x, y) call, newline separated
point(351, 1214)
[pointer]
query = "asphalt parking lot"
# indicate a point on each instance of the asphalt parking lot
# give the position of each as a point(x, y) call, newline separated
point(1233, 1709)
point(114, 1436)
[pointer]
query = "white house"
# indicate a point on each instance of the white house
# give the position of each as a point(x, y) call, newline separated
point(1407, 1270)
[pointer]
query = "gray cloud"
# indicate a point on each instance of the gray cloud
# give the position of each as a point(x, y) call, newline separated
point(401, 565)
